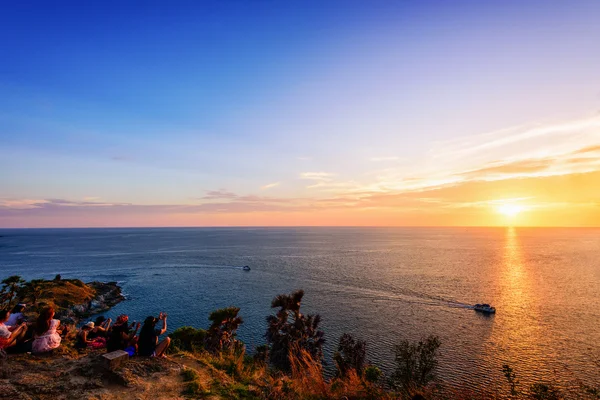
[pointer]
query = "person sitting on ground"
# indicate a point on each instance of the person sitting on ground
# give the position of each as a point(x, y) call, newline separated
point(121, 337)
point(148, 345)
point(16, 315)
point(10, 335)
point(101, 328)
point(81, 340)
point(46, 332)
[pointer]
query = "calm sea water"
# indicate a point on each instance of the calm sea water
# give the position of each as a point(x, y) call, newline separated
point(380, 284)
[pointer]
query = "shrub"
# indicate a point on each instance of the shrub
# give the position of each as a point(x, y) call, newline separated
point(192, 389)
point(351, 354)
point(542, 391)
point(189, 375)
point(372, 374)
point(33, 290)
point(415, 363)
point(222, 332)
point(10, 287)
point(187, 338)
point(289, 332)
point(261, 355)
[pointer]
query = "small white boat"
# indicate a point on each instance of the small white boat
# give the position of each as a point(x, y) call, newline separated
point(484, 308)
point(246, 268)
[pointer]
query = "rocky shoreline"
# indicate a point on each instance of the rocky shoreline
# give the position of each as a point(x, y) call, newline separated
point(66, 373)
point(107, 295)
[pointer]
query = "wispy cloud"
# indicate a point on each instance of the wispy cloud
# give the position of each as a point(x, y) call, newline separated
point(270, 185)
point(317, 176)
point(30, 204)
point(21, 204)
point(541, 167)
point(221, 194)
point(520, 152)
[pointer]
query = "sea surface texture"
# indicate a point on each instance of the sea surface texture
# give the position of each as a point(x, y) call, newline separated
point(382, 285)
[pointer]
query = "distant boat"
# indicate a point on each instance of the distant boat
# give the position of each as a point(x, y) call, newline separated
point(484, 308)
point(246, 268)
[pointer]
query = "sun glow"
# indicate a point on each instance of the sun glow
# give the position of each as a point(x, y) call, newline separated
point(510, 210)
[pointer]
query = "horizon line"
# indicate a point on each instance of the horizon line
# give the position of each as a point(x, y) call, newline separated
point(303, 226)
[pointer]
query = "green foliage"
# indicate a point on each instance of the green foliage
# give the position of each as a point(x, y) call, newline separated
point(192, 389)
point(261, 355)
point(221, 335)
point(189, 375)
point(236, 391)
point(415, 363)
point(350, 354)
point(372, 374)
point(290, 331)
point(543, 391)
point(187, 338)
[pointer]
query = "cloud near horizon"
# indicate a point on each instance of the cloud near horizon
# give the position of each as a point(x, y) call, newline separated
point(553, 170)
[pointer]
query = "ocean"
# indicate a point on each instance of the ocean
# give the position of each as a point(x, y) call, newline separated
point(381, 285)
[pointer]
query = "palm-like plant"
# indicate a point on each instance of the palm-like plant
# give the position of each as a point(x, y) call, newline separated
point(222, 332)
point(350, 355)
point(290, 332)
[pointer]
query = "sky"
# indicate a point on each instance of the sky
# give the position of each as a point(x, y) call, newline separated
point(260, 113)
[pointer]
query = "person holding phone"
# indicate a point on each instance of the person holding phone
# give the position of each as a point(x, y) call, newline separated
point(148, 344)
point(123, 335)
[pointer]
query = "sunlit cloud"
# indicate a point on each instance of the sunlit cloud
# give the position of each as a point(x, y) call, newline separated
point(520, 152)
point(270, 185)
point(538, 175)
point(21, 204)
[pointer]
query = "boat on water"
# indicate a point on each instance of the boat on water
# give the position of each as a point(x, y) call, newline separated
point(246, 268)
point(484, 308)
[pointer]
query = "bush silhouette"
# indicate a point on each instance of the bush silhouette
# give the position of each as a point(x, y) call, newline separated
point(289, 332)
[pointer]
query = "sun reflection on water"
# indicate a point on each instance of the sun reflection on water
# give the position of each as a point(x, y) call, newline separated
point(521, 338)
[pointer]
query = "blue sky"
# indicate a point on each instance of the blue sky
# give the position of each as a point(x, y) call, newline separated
point(159, 103)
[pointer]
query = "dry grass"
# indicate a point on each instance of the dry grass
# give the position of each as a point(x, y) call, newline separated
point(62, 294)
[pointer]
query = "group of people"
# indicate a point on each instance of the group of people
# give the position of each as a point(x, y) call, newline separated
point(46, 334)
point(16, 334)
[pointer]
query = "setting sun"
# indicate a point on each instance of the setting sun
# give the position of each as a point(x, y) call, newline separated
point(510, 210)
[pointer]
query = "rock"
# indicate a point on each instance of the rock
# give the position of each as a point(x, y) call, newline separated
point(94, 304)
point(115, 359)
point(80, 308)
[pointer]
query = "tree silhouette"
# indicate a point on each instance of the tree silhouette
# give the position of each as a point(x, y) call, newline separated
point(222, 332)
point(351, 354)
point(416, 363)
point(289, 331)
point(33, 289)
point(10, 287)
